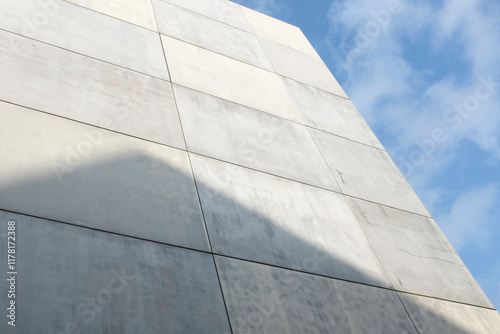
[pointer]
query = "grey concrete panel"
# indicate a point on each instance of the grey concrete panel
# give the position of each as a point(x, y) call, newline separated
point(416, 255)
point(47, 78)
point(368, 173)
point(330, 113)
point(268, 219)
point(279, 32)
point(210, 34)
point(230, 79)
point(85, 31)
point(302, 67)
point(220, 10)
point(71, 172)
point(237, 134)
point(264, 299)
point(75, 280)
point(438, 316)
point(139, 12)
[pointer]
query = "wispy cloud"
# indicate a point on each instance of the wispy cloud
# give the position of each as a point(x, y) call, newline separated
point(401, 95)
point(469, 220)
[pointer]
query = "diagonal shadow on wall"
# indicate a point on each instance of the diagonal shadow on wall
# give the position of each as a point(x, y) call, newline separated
point(174, 289)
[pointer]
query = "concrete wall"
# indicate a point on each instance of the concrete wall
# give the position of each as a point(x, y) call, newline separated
point(192, 166)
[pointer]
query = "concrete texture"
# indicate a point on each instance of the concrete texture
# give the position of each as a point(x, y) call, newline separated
point(330, 113)
point(214, 74)
point(416, 256)
point(237, 134)
point(79, 174)
point(248, 191)
point(438, 316)
point(278, 31)
point(139, 12)
point(210, 34)
point(47, 78)
point(368, 173)
point(87, 32)
point(302, 67)
point(263, 299)
point(220, 10)
point(75, 280)
point(263, 218)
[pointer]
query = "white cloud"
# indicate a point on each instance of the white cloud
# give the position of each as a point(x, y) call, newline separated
point(475, 27)
point(406, 101)
point(470, 217)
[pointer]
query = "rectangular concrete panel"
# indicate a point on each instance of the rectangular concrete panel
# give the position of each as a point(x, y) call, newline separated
point(251, 138)
point(302, 67)
point(210, 34)
point(263, 218)
point(214, 74)
point(263, 299)
point(368, 173)
point(220, 10)
point(67, 171)
point(139, 12)
point(432, 315)
point(47, 78)
point(279, 32)
point(87, 32)
point(330, 113)
point(75, 280)
point(416, 255)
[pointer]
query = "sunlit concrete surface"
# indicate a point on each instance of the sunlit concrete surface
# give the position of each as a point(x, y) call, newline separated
point(330, 113)
point(192, 166)
point(87, 32)
point(439, 316)
point(299, 66)
point(210, 34)
point(139, 12)
point(268, 219)
point(227, 78)
point(54, 80)
point(279, 32)
point(367, 172)
point(416, 255)
point(220, 10)
point(244, 136)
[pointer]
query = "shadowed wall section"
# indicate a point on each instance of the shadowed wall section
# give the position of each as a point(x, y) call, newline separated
point(193, 167)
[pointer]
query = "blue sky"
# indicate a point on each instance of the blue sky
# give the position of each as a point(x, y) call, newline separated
point(426, 77)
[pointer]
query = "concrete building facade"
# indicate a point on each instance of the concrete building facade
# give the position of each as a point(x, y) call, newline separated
point(192, 166)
